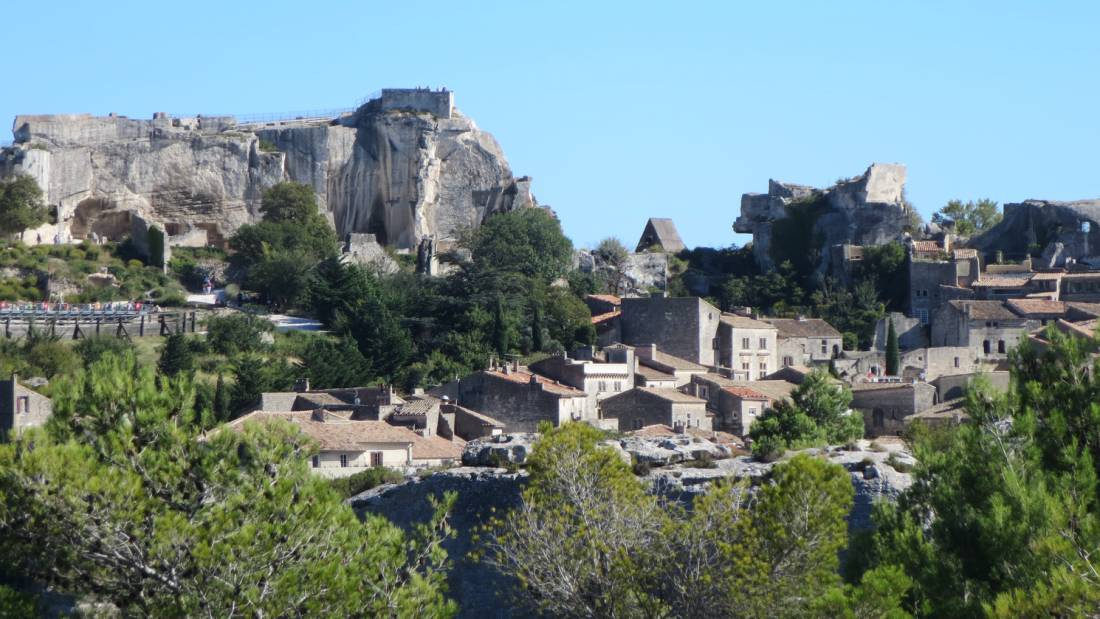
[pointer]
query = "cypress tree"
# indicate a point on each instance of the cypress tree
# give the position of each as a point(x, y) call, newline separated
point(176, 356)
point(501, 341)
point(536, 329)
point(221, 400)
point(893, 357)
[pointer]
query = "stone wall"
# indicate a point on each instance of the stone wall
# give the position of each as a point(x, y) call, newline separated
point(519, 406)
point(21, 408)
point(437, 102)
point(884, 407)
point(636, 408)
point(681, 326)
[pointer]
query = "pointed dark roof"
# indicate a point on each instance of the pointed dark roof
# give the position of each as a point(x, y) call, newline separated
point(661, 231)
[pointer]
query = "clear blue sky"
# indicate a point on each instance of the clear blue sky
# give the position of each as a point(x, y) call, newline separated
point(625, 110)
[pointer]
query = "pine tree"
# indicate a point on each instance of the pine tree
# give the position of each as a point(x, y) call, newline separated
point(221, 400)
point(893, 357)
point(176, 356)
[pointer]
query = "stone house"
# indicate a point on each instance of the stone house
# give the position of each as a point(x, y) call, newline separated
point(646, 406)
point(954, 386)
point(685, 327)
point(805, 341)
point(21, 408)
point(747, 348)
point(1081, 287)
point(518, 398)
point(599, 378)
point(988, 328)
point(660, 234)
point(348, 446)
point(736, 404)
point(934, 268)
point(885, 406)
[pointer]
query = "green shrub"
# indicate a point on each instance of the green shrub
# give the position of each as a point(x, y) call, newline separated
point(16, 604)
point(134, 263)
point(365, 480)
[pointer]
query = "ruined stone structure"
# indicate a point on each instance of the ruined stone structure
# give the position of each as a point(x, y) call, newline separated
point(403, 166)
point(869, 209)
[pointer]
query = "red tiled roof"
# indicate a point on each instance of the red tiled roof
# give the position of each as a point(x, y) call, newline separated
point(598, 318)
point(745, 393)
point(549, 386)
point(927, 246)
point(1007, 281)
point(437, 448)
point(333, 434)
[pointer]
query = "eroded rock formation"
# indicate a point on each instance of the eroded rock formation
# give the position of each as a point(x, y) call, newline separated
point(1059, 231)
point(402, 167)
point(869, 209)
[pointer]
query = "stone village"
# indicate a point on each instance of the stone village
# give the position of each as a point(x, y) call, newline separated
point(662, 365)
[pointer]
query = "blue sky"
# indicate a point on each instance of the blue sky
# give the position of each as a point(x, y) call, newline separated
point(626, 110)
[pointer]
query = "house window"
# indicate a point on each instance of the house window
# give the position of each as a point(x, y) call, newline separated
point(788, 361)
point(376, 458)
point(603, 386)
point(744, 343)
point(745, 366)
point(985, 347)
point(956, 362)
point(763, 343)
point(763, 368)
point(316, 461)
point(752, 412)
point(618, 386)
point(702, 392)
point(24, 405)
point(824, 349)
point(343, 460)
point(1001, 346)
point(637, 424)
point(922, 315)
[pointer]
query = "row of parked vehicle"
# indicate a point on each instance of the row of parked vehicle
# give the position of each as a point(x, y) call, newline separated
point(74, 310)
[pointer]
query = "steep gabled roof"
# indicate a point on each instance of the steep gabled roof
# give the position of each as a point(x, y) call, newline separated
point(661, 231)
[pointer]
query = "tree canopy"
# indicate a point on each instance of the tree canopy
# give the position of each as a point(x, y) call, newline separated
point(21, 205)
point(969, 218)
point(816, 414)
point(524, 240)
point(122, 497)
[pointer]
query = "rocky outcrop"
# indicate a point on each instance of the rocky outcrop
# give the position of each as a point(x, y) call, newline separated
point(869, 209)
point(1059, 231)
point(402, 167)
point(639, 274)
point(500, 449)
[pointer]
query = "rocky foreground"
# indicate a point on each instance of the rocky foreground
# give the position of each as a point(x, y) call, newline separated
point(679, 468)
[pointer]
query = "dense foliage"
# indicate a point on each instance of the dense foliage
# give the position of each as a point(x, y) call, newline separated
point(587, 540)
point(122, 497)
point(816, 414)
point(21, 205)
point(969, 218)
point(1003, 518)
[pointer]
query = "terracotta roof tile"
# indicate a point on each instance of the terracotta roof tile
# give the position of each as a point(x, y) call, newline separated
point(985, 310)
point(927, 246)
point(549, 386)
point(335, 435)
point(1007, 281)
point(600, 318)
point(437, 448)
point(746, 393)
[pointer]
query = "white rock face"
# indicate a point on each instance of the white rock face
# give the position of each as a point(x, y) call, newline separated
point(396, 172)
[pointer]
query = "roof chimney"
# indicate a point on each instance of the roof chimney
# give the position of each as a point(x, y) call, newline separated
point(515, 365)
point(301, 385)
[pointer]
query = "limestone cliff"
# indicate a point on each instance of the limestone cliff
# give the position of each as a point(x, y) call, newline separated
point(1057, 230)
point(402, 166)
point(869, 209)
